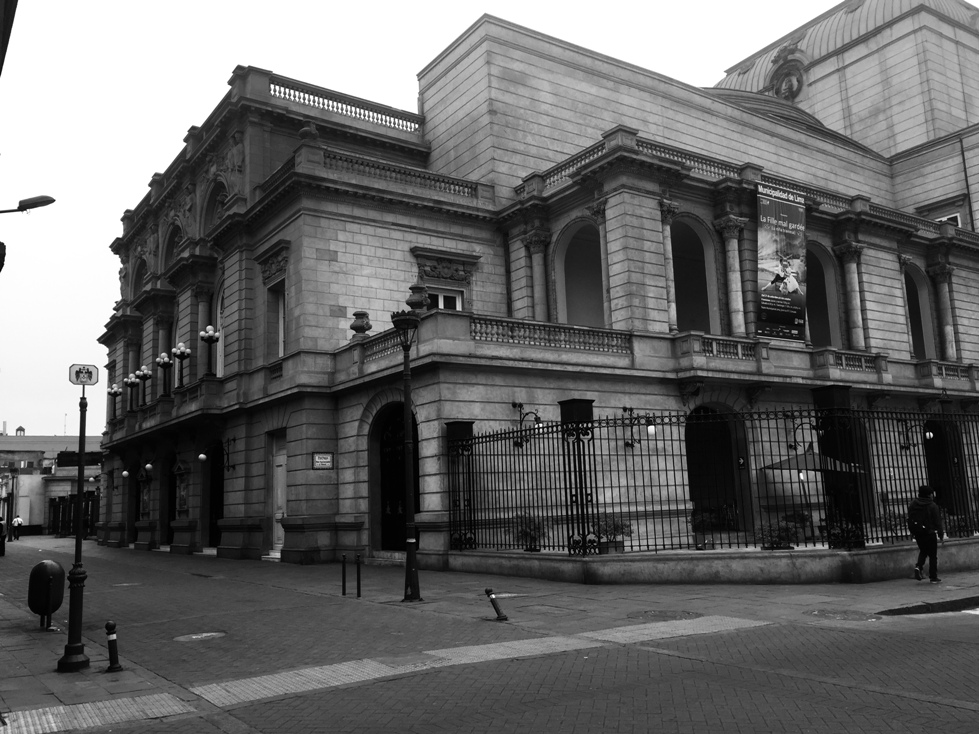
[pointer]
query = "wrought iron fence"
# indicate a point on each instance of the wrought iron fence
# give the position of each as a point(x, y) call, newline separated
point(707, 480)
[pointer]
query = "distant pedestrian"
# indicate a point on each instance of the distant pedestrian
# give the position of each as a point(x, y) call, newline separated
point(17, 522)
point(925, 524)
point(3, 537)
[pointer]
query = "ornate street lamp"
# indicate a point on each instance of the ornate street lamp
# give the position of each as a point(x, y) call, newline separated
point(143, 374)
point(164, 364)
point(114, 392)
point(406, 323)
point(210, 337)
point(131, 383)
point(180, 353)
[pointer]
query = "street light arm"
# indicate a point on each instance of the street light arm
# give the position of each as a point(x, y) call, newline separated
point(34, 202)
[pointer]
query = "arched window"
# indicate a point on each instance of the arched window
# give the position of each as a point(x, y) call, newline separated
point(694, 271)
point(822, 298)
point(139, 275)
point(920, 320)
point(173, 239)
point(579, 283)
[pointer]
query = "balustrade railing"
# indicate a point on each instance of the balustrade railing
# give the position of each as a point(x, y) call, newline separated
point(399, 174)
point(559, 336)
point(728, 348)
point(341, 104)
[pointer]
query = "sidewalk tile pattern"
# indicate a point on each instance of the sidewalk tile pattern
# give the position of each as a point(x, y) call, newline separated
point(102, 713)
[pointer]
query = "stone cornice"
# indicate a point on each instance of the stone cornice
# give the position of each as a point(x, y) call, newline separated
point(120, 326)
point(153, 301)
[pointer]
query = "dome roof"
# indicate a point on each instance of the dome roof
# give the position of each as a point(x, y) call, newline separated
point(836, 28)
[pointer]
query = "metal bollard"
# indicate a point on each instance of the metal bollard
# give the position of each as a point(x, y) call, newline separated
point(343, 574)
point(500, 616)
point(358, 575)
point(110, 633)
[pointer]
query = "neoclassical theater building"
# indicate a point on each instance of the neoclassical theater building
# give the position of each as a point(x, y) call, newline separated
point(596, 239)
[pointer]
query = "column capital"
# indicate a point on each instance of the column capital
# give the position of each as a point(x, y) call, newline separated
point(730, 226)
point(848, 252)
point(668, 210)
point(941, 273)
point(903, 261)
point(537, 241)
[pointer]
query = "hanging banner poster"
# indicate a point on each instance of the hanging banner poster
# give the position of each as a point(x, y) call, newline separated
point(781, 264)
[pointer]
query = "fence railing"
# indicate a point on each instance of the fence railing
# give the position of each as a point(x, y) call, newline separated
point(708, 480)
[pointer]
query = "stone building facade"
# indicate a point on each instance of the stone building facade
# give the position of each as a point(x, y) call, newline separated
point(585, 228)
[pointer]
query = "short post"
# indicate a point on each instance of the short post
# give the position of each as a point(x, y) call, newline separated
point(343, 574)
point(500, 616)
point(110, 634)
point(358, 575)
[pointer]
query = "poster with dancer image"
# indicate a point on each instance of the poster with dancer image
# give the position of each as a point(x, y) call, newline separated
point(781, 264)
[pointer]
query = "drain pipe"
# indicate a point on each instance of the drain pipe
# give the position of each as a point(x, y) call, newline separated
point(500, 616)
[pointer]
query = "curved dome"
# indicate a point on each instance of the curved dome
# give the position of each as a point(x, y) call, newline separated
point(836, 28)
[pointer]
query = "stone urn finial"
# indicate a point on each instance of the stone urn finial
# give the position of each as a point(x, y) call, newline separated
point(361, 324)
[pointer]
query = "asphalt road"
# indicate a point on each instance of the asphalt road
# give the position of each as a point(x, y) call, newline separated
point(240, 646)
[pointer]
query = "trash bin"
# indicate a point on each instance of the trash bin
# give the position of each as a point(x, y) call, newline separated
point(46, 590)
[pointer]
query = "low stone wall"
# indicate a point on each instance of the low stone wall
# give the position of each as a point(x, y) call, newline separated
point(798, 566)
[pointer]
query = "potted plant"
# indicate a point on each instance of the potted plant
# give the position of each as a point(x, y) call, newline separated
point(705, 522)
point(778, 535)
point(610, 530)
point(528, 530)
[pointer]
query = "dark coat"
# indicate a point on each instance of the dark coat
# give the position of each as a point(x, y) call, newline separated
point(924, 511)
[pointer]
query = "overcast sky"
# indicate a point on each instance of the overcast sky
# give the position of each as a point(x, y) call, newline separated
point(97, 96)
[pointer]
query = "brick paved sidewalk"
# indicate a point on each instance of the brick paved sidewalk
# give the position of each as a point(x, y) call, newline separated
point(290, 629)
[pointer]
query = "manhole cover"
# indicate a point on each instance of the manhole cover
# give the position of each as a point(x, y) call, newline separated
point(843, 615)
point(663, 615)
point(198, 636)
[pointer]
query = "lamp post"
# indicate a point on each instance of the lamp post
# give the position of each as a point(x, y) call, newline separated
point(164, 364)
point(132, 384)
point(406, 323)
point(75, 657)
point(210, 337)
point(143, 374)
point(114, 392)
point(180, 352)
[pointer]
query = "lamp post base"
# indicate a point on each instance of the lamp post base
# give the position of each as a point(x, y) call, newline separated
point(74, 658)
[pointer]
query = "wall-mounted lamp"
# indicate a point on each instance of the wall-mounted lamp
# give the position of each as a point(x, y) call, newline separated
point(645, 420)
point(227, 445)
point(125, 474)
point(909, 443)
point(521, 440)
point(797, 443)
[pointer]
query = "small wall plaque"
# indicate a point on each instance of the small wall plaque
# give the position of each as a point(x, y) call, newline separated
point(323, 460)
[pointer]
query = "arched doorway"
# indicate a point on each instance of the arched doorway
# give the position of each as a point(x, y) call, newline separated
point(579, 283)
point(717, 471)
point(387, 478)
point(945, 459)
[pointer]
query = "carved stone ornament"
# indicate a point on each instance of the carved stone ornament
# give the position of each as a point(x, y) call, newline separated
point(275, 266)
point(537, 242)
point(444, 269)
point(232, 165)
point(788, 84)
point(668, 210)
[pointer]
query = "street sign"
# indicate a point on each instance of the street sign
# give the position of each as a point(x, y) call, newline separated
point(83, 374)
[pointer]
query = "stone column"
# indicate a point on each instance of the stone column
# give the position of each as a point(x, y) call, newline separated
point(730, 227)
point(942, 275)
point(669, 210)
point(598, 211)
point(537, 243)
point(850, 255)
point(203, 292)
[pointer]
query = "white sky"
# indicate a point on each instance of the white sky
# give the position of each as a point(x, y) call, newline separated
point(97, 96)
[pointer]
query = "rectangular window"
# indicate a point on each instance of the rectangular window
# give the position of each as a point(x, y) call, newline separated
point(447, 300)
point(276, 320)
point(952, 219)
